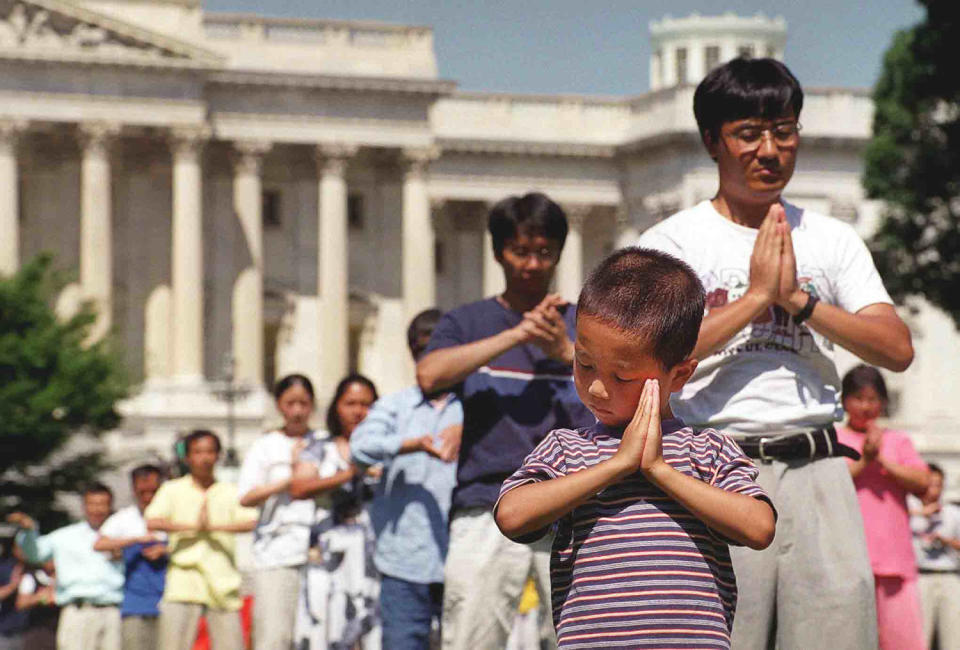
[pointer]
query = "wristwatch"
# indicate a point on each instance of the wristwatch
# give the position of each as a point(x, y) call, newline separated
point(804, 313)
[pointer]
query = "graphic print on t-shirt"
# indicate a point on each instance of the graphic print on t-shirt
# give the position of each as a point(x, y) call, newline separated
point(774, 328)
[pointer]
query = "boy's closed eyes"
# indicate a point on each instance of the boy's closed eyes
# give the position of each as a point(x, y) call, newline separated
point(610, 368)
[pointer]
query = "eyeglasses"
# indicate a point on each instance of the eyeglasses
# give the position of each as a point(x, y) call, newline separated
point(545, 254)
point(749, 136)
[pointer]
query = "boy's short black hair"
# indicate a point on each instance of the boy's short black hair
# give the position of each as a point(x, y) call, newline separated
point(146, 469)
point(533, 214)
point(422, 325)
point(197, 434)
point(744, 88)
point(650, 295)
point(97, 488)
point(935, 469)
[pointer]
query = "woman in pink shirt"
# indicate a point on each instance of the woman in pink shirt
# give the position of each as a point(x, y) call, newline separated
point(887, 471)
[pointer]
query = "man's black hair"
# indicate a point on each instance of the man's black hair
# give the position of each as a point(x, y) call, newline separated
point(650, 295)
point(197, 434)
point(422, 325)
point(744, 88)
point(531, 214)
point(146, 469)
point(97, 488)
point(935, 469)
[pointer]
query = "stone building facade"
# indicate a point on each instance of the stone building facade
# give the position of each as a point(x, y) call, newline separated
point(280, 195)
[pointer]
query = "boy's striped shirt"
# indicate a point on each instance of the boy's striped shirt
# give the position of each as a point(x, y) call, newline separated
point(631, 568)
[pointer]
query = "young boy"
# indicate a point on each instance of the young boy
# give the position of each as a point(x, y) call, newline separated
point(201, 516)
point(644, 509)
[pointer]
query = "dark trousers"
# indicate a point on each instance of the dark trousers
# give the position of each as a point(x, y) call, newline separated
point(407, 609)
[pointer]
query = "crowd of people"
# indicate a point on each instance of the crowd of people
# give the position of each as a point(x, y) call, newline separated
point(657, 462)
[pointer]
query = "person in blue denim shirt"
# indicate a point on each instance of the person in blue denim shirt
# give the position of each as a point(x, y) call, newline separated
point(416, 438)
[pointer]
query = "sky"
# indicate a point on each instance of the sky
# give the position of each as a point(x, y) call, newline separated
point(602, 47)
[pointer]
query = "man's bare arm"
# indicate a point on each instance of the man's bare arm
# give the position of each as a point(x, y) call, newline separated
point(876, 333)
point(120, 543)
point(447, 367)
point(722, 323)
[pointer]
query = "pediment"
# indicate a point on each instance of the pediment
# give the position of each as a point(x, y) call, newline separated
point(60, 30)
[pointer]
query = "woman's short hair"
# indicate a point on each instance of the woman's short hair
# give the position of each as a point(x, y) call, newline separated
point(861, 377)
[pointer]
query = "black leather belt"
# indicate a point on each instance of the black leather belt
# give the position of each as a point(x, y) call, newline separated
point(810, 445)
point(86, 602)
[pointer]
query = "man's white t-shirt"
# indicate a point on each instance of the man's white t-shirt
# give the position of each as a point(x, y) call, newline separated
point(282, 535)
point(126, 522)
point(772, 376)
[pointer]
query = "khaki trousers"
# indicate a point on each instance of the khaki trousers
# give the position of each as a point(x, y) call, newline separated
point(85, 627)
point(140, 632)
point(275, 594)
point(813, 586)
point(484, 577)
point(940, 602)
point(178, 626)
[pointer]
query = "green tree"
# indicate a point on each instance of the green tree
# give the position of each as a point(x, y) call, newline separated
point(913, 160)
point(53, 386)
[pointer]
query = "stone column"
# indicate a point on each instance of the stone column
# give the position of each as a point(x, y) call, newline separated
point(493, 282)
point(247, 299)
point(96, 236)
point(570, 267)
point(333, 249)
point(187, 264)
point(418, 273)
point(628, 230)
point(10, 132)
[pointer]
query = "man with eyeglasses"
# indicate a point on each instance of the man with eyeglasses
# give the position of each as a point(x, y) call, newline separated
point(784, 287)
point(509, 360)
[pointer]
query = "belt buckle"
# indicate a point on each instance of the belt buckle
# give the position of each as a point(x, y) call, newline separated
point(760, 451)
point(813, 444)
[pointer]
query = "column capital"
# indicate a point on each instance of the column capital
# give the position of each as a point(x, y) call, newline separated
point(628, 213)
point(97, 137)
point(247, 155)
point(332, 157)
point(438, 207)
point(577, 213)
point(11, 128)
point(188, 140)
point(416, 159)
point(660, 206)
